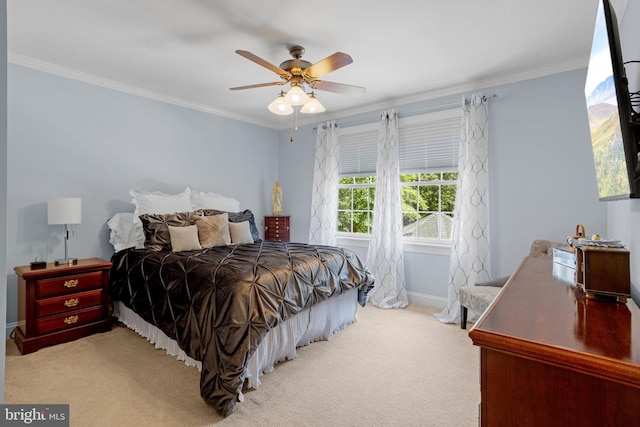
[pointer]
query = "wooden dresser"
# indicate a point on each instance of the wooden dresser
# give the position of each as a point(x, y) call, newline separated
point(276, 227)
point(62, 303)
point(551, 357)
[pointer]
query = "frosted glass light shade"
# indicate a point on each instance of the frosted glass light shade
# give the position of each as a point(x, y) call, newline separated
point(296, 96)
point(64, 210)
point(313, 106)
point(279, 106)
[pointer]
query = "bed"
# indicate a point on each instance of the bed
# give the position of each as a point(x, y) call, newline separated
point(233, 310)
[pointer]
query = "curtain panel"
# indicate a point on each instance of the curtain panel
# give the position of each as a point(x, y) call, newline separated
point(470, 259)
point(385, 258)
point(324, 199)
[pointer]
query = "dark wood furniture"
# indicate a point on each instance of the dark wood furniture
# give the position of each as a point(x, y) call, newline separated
point(549, 356)
point(276, 227)
point(603, 272)
point(62, 303)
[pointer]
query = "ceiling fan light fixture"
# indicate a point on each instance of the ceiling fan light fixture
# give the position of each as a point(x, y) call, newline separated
point(280, 106)
point(296, 96)
point(313, 106)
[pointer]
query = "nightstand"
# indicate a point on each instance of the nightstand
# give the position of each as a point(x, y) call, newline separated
point(57, 304)
point(276, 227)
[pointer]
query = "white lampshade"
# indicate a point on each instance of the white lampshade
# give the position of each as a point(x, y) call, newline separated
point(279, 106)
point(64, 210)
point(313, 106)
point(296, 96)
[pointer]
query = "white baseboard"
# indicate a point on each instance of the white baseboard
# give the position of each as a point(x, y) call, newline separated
point(427, 300)
point(10, 327)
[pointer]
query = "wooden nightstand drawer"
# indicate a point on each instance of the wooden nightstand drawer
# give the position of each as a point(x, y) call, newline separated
point(68, 320)
point(65, 303)
point(68, 284)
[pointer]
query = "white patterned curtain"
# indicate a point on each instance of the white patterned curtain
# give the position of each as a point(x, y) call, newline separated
point(470, 261)
point(324, 199)
point(384, 257)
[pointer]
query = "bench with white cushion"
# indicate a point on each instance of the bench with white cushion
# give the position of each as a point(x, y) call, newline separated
point(478, 297)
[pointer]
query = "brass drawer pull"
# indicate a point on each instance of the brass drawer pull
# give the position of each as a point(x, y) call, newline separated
point(71, 320)
point(72, 302)
point(72, 283)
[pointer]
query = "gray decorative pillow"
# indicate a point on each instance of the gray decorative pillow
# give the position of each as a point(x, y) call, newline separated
point(184, 238)
point(156, 227)
point(214, 230)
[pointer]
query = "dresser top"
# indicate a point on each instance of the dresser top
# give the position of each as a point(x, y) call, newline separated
point(540, 316)
point(86, 264)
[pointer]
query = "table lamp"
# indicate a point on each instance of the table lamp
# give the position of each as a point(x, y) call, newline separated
point(65, 211)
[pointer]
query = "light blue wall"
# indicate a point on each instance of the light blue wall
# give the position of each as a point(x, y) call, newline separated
point(68, 138)
point(624, 216)
point(542, 179)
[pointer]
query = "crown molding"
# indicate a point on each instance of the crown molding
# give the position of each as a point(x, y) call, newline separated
point(449, 91)
point(48, 67)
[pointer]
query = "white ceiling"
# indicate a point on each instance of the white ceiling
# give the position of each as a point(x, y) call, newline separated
point(183, 51)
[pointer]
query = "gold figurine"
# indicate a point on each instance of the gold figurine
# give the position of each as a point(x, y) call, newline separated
point(276, 199)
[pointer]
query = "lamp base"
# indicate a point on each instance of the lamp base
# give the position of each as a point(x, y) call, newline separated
point(67, 261)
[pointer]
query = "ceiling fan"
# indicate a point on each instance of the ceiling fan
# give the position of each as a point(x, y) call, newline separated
point(299, 73)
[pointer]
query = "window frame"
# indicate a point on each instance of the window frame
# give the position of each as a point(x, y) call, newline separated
point(412, 244)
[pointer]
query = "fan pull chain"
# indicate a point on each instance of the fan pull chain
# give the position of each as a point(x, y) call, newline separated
point(295, 124)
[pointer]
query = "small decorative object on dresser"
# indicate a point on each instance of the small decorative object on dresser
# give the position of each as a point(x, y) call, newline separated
point(62, 303)
point(276, 227)
point(603, 272)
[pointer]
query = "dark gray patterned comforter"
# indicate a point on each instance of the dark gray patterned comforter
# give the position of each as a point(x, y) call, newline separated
point(219, 303)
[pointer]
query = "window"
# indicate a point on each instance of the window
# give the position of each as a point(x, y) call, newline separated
point(427, 204)
point(428, 166)
point(355, 204)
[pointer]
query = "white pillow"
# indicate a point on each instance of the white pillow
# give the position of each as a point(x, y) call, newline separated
point(184, 238)
point(155, 202)
point(203, 200)
point(240, 233)
point(124, 232)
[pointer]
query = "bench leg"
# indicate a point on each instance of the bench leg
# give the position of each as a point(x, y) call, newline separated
point(463, 317)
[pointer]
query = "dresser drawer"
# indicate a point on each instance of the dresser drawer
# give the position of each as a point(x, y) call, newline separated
point(68, 320)
point(274, 221)
point(282, 236)
point(65, 303)
point(68, 284)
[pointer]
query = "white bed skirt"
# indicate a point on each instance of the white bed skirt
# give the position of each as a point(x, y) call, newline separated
point(313, 324)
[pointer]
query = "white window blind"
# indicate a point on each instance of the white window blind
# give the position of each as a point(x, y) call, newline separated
point(428, 143)
point(358, 150)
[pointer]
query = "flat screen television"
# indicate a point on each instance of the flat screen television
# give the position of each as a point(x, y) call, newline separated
point(612, 120)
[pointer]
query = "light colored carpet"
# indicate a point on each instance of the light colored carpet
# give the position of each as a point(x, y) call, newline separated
point(391, 368)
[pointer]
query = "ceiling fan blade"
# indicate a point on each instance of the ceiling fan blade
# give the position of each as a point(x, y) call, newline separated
point(338, 88)
point(327, 65)
point(257, 85)
point(266, 64)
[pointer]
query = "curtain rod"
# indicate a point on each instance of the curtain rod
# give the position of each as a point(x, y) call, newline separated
point(413, 112)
